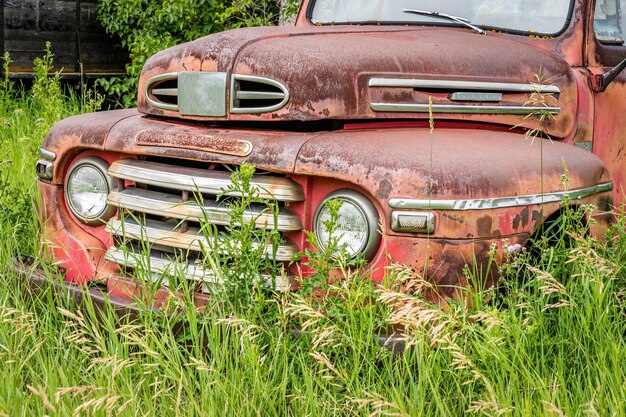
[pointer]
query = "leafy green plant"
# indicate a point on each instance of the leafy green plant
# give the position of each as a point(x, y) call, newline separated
point(25, 119)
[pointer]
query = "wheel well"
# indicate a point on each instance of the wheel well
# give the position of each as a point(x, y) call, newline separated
point(555, 226)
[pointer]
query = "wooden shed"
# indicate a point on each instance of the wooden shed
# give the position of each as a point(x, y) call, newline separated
point(81, 47)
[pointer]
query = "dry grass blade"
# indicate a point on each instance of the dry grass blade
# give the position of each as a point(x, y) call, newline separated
point(326, 365)
point(488, 408)
point(378, 406)
point(242, 326)
point(43, 395)
point(548, 284)
point(553, 409)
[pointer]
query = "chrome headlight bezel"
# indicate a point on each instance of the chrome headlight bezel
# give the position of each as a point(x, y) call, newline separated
point(366, 208)
point(101, 167)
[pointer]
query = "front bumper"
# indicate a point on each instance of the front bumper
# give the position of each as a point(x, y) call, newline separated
point(96, 296)
point(37, 280)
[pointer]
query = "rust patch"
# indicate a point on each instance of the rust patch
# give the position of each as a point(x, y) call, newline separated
point(524, 215)
point(210, 142)
point(484, 225)
point(384, 190)
point(516, 221)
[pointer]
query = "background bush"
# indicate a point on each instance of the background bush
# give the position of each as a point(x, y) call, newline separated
point(146, 27)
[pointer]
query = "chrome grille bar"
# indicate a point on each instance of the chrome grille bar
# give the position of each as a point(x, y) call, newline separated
point(202, 181)
point(166, 266)
point(208, 211)
point(169, 235)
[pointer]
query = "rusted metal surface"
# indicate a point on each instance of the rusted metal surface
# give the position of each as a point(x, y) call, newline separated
point(280, 54)
point(385, 155)
point(610, 118)
point(273, 150)
point(80, 133)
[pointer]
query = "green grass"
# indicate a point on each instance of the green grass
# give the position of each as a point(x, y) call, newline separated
point(550, 342)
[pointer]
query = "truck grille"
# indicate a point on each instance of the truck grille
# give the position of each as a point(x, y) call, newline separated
point(162, 92)
point(256, 95)
point(162, 207)
point(204, 93)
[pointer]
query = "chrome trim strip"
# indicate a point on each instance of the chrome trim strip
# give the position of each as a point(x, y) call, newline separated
point(259, 95)
point(445, 108)
point(46, 154)
point(464, 85)
point(160, 266)
point(496, 203)
point(154, 80)
point(172, 92)
point(170, 205)
point(255, 110)
point(202, 181)
point(161, 233)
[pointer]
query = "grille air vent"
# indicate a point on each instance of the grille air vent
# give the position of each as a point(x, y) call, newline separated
point(251, 94)
point(162, 91)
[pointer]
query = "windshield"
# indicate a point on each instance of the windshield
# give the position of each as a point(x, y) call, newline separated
point(529, 16)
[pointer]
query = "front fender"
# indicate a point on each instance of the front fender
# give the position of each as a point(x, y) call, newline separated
point(457, 165)
point(74, 134)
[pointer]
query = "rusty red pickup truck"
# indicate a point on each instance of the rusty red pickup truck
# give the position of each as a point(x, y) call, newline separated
point(340, 107)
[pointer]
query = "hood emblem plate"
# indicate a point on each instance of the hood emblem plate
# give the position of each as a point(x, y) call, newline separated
point(476, 97)
point(213, 142)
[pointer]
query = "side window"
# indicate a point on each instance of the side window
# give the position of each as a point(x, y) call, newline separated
point(609, 22)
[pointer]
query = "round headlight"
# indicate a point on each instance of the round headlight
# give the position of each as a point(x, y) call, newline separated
point(87, 187)
point(357, 224)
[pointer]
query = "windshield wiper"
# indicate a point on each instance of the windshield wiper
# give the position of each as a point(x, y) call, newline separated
point(460, 20)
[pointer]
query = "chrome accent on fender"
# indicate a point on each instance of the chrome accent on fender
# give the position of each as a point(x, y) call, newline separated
point(236, 95)
point(45, 169)
point(413, 222)
point(202, 181)
point(202, 94)
point(45, 154)
point(496, 203)
point(208, 211)
point(445, 108)
point(168, 234)
point(158, 263)
point(464, 85)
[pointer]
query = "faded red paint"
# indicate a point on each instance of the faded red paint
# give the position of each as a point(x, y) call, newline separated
point(382, 155)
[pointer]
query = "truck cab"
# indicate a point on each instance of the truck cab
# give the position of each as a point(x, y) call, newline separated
point(446, 128)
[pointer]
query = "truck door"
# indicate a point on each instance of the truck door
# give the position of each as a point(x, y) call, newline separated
point(606, 48)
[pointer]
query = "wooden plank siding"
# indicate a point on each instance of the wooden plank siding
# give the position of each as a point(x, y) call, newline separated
point(79, 43)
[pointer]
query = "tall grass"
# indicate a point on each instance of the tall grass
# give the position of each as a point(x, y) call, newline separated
point(549, 342)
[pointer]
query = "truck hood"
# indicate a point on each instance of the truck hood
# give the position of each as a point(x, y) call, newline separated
point(350, 73)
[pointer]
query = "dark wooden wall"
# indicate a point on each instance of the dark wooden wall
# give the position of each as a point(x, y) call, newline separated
point(72, 28)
